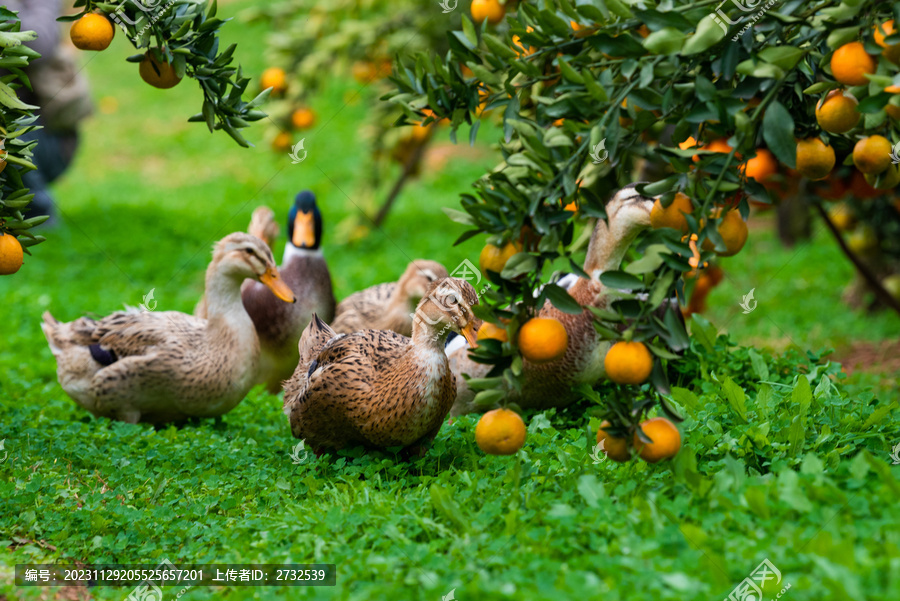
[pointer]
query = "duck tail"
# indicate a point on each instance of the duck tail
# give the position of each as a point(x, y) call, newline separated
point(50, 327)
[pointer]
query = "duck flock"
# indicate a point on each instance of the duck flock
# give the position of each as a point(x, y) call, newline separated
point(381, 375)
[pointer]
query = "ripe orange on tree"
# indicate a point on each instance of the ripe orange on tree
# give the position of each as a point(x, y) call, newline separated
point(11, 254)
point(815, 159)
point(92, 32)
point(303, 118)
point(672, 216)
point(666, 440)
point(733, 230)
point(628, 363)
point(851, 63)
point(761, 167)
point(860, 188)
point(886, 180)
point(872, 154)
point(837, 112)
point(275, 78)
point(282, 142)
point(616, 449)
point(491, 331)
point(500, 432)
point(494, 258)
point(891, 51)
point(491, 10)
point(543, 339)
point(158, 74)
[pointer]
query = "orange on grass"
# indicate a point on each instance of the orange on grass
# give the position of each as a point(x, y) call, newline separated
point(158, 74)
point(886, 180)
point(851, 63)
point(872, 154)
point(275, 78)
point(303, 118)
point(500, 432)
point(628, 363)
point(815, 159)
point(672, 216)
point(11, 254)
point(891, 51)
point(837, 113)
point(282, 142)
point(491, 10)
point(494, 258)
point(733, 230)
point(761, 167)
point(543, 339)
point(616, 449)
point(492, 332)
point(666, 440)
point(92, 32)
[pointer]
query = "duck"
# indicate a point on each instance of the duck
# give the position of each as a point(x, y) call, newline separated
point(377, 388)
point(388, 306)
point(550, 384)
point(164, 366)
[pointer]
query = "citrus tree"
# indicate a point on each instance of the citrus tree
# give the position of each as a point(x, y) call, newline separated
point(16, 119)
point(713, 104)
point(177, 38)
point(312, 43)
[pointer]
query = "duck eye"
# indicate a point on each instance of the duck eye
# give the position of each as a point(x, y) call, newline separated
point(452, 299)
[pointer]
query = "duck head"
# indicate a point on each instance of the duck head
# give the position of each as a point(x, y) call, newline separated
point(447, 305)
point(305, 222)
point(628, 214)
point(418, 278)
point(240, 256)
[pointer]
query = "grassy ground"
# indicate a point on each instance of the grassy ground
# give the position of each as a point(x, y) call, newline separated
point(807, 485)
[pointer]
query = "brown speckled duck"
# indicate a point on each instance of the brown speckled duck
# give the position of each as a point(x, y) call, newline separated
point(377, 388)
point(304, 270)
point(165, 366)
point(549, 384)
point(388, 306)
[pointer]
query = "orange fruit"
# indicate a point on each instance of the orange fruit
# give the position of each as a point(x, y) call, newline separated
point(836, 113)
point(363, 71)
point(543, 339)
point(851, 63)
point(733, 230)
point(575, 25)
point(519, 48)
point(491, 10)
point(303, 118)
point(891, 51)
point(616, 449)
point(628, 363)
point(500, 432)
point(494, 258)
point(689, 143)
point(719, 145)
point(842, 218)
point(815, 159)
point(92, 32)
point(831, 188)
point(666, 440)
point(275, 78)
point(886, 180)
point(158, 74)
point(673, 215)
point(11, 254)
point(761, 167)
point(572, 206)
point(860, 188)
point(493, 332)
point(872, 154)
point(282, 142)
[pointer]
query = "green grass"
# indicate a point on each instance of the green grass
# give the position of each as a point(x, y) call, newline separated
point(809, 488)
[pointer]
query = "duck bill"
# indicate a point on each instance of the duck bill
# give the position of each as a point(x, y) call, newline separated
point(470, 334)
point(304, 230)
point(274, 283)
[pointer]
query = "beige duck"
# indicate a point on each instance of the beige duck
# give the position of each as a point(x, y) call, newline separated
point(377, 388)
point(304, 270)
point(549, 384)
point(166, 366)
point(388, 306)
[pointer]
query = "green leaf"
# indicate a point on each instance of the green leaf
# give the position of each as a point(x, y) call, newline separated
point(708, 34)
point(759, 364)
point(784, 57)
point(591, 490)
point(561, 299)
point(778, 132)
point(735, 396)
point(9, 99)
point(518, 264)
point(621, 280)
point(685, 398)
point(652, 259)
point(667, 40)
point(703, 331)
